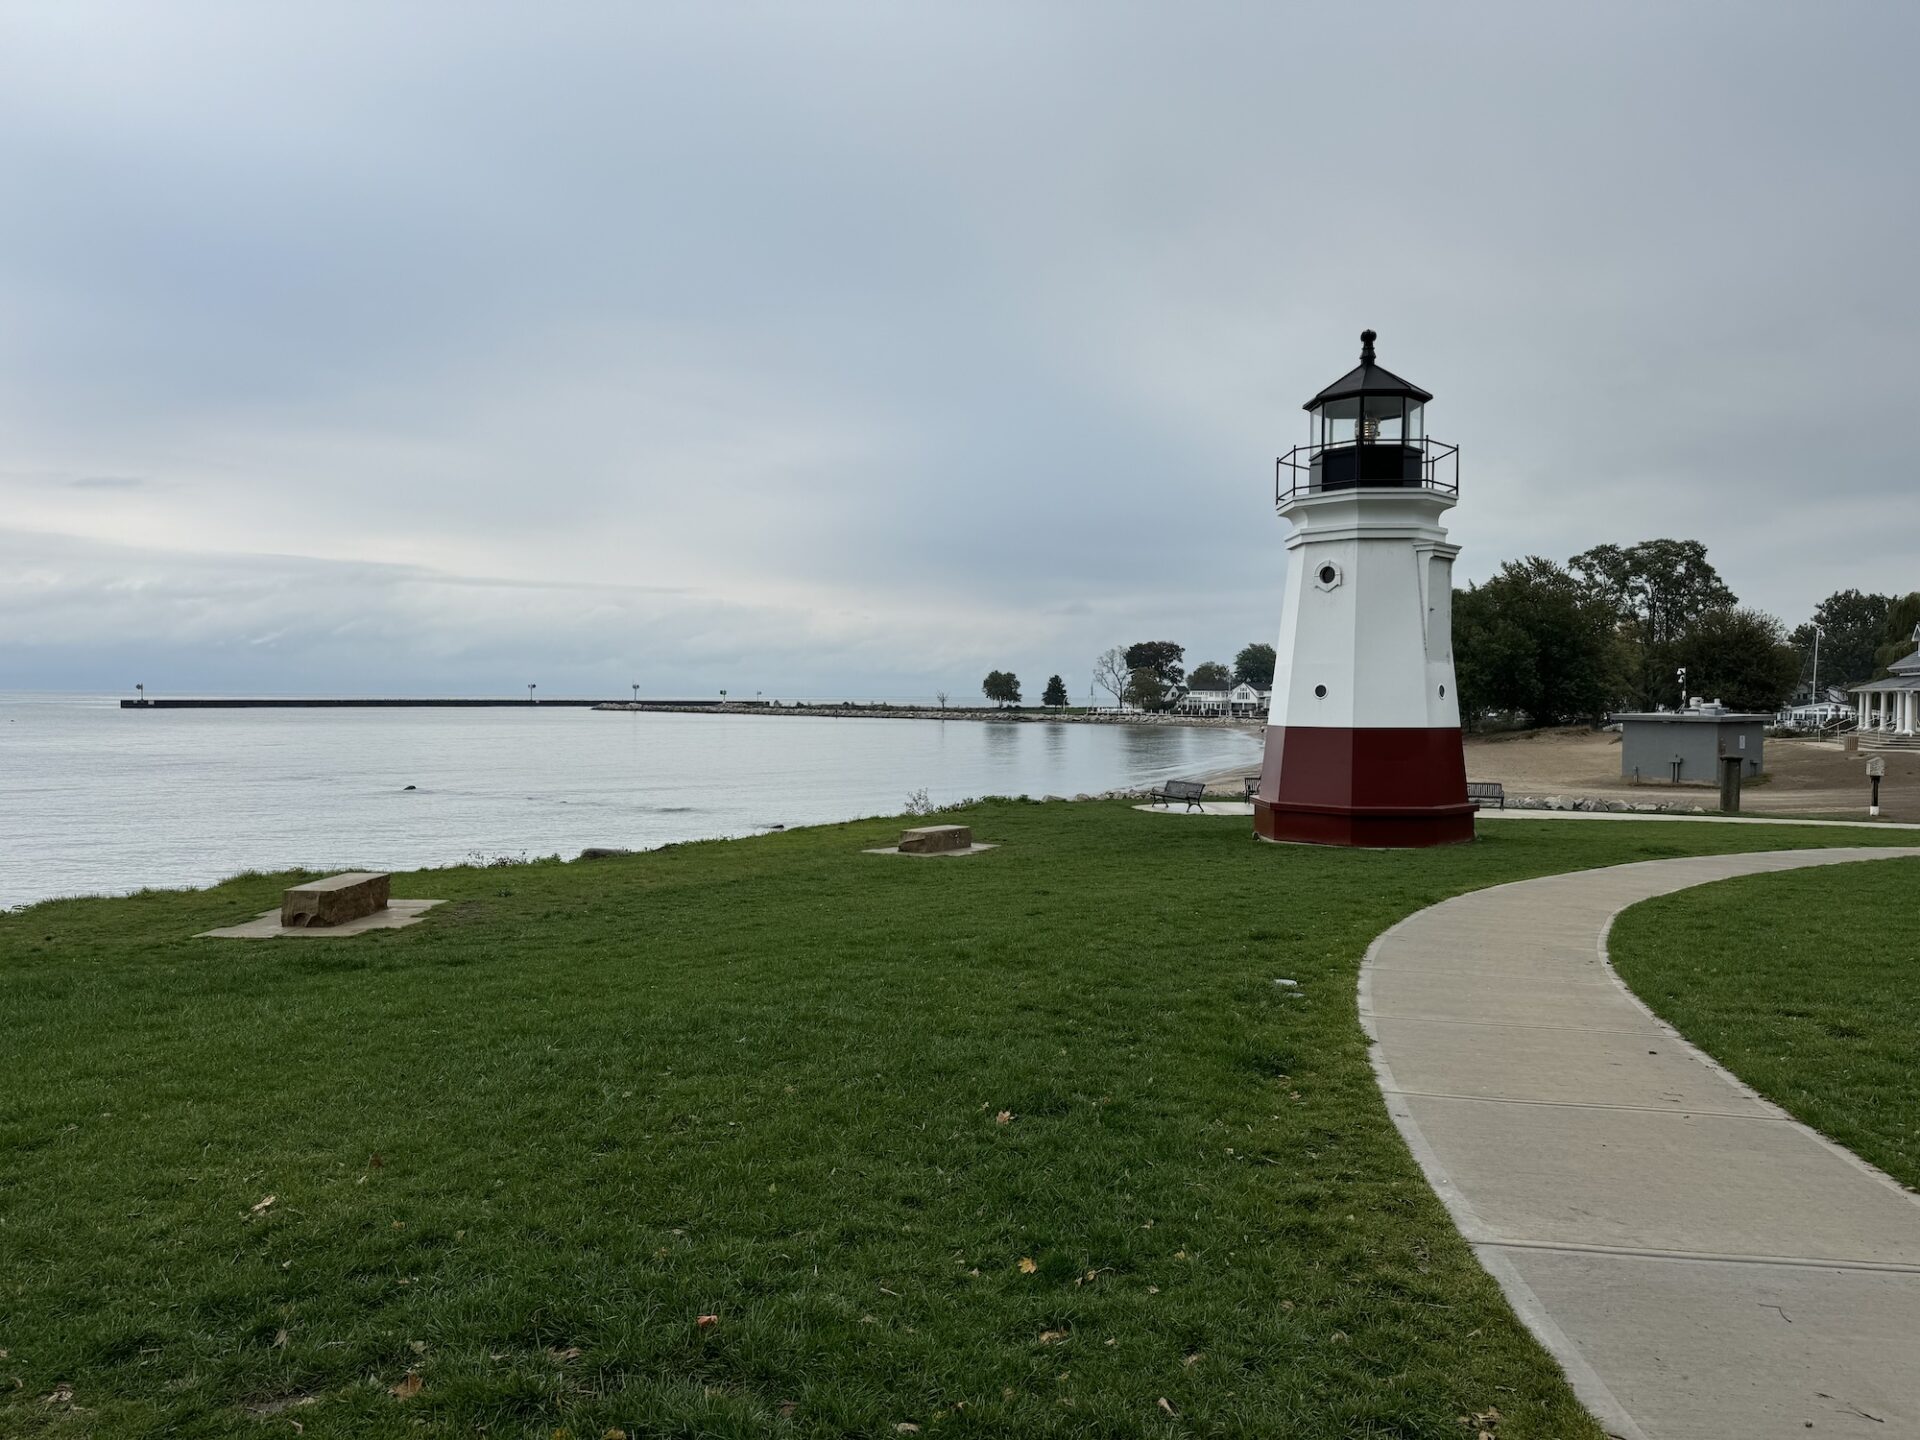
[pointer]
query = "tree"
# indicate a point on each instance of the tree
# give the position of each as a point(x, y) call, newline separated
point(1056, 692)
point(1147, 688)
point(1002, 687)
point(1851, 624)
point(1741, 657)
point(1532, 641)
point(1656, 590)
point(1210, 675)
point(1901, 632)
point(1111, 673)
point(1254, 666)
point(941, 696)
point(1163, 657)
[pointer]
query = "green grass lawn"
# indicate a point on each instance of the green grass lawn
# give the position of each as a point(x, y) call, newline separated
point(1806, 985)
point(1021, 1144)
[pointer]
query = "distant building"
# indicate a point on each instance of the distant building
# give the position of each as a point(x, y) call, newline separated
point(1242, 699)
point(1682, 746)
point(1891, 706)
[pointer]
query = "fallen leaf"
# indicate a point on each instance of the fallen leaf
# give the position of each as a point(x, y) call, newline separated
point(1339, 1337)
point(561, 1357)
point(408, 1387)
point(907, 1427)
point(62, 1395)
point(1113, 1342)
point(1153, 1289)
point(1047, 1337)
point(419, 1347)
point(374, 1162)
point(1165, 1406)
point(1005, 1117)
point(787, 1407)
point(1194, 1359)
point(613, 1435)
point(279, 1340)
point(1027, 1267)
point(260, 1209)
point(707, 1322)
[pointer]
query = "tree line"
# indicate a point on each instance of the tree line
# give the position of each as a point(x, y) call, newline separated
point(1147, 675)
point(1614, 627)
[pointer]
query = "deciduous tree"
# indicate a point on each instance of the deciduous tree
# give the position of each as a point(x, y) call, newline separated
point(1741, 657)
point(1163, 657)
point(1002, 687)
point(1111, 673)
point(1254, 666)
point(1210, 675)
point(1532, 641)
point(1147, 688)
point(1656, 589)
point(1852, 627)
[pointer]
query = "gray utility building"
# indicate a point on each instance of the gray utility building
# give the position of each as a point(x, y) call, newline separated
point(1682, 746)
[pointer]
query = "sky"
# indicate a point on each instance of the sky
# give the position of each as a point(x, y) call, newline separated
point(850, 351)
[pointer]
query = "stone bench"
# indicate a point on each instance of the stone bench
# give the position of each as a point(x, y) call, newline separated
point(934, 839)
point(334, 900)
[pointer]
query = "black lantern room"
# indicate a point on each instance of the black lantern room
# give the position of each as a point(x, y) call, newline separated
point(1369, 431)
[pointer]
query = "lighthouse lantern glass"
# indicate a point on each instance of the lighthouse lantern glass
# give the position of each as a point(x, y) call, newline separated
point(1416, 423)
point(1340, 420)
point(1381, 417)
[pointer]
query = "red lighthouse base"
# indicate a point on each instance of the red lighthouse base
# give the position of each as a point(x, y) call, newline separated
point(1393, 789)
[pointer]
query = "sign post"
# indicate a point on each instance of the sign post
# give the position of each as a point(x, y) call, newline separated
point(1876, 767)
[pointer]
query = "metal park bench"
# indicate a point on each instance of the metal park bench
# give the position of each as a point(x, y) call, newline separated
point(1252, 784)
point(1189, 791)
point(1488, 791)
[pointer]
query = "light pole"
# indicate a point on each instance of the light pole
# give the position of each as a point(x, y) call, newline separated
point(636, 692)
point(723, 697)
point(1814, 697)
point(142, 689)
point(530, 690)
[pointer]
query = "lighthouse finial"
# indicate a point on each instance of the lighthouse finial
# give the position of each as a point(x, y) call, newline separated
point(1367, 337)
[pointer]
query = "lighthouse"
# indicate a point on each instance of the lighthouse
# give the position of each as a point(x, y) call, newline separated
point(1363, 737)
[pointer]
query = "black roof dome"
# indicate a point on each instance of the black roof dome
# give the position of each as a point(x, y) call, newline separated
point(1367, 378)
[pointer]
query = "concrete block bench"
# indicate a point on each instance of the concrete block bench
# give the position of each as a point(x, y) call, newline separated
point(931, 839)
point(334, 900)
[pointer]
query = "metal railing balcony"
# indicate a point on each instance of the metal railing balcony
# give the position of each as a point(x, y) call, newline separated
point(1424, 464)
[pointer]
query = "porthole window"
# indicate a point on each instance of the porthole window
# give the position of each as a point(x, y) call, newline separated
point(1327, 576)
point(1320, 691)
point(1443, 692)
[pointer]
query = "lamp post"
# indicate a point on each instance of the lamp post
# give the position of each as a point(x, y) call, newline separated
point(723, 697)
point(1814, 698)
point(530, 690)
point(142, 689)
point(636, 692)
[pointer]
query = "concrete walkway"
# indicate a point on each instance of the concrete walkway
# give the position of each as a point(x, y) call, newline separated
point(1702, 1265)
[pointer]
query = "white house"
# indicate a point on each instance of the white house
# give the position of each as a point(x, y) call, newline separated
point(1892, 706)
point(1242, 699)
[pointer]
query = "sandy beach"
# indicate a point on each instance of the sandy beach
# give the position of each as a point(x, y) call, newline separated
point(1803, 777)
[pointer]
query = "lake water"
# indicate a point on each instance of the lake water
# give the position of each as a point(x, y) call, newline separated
point(95, 799)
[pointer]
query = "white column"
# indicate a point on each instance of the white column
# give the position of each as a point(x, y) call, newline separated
point(1860, 711)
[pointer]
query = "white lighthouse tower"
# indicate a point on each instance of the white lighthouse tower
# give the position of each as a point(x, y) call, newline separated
point(1363, 739)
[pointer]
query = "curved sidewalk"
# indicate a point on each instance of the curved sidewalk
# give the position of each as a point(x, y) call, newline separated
point(1701, 1264)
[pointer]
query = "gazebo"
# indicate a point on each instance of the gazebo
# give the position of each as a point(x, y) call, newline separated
point(1892, 706)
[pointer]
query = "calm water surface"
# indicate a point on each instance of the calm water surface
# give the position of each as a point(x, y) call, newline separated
point(95, 799)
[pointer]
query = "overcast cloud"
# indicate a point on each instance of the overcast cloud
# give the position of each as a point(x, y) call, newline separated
point(856, 349)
